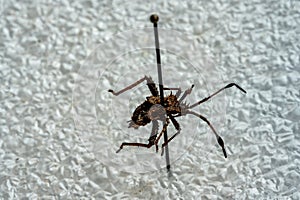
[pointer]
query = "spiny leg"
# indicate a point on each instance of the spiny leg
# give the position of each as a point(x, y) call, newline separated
point(151, 139)
point(219, 139)
point(151, 85)
point(187, 92)
point(210, 96)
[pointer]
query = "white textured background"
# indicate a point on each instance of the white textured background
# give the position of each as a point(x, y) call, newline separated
point(59, 128)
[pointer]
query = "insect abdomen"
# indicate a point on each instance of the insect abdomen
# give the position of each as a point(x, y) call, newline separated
point(140, 115)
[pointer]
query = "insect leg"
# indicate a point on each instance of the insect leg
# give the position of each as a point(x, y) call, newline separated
point(187, 92)
point(154, 133)
point(169, 140)
point(152, 87)
point(174, 122)
point(219, 139)
point(210, 96)
point(177, 126)
point(161, 133)
point(151, 139)
point(134, 144)
point(150, 83)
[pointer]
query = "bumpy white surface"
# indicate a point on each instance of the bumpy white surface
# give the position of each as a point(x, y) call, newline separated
point(59, 128)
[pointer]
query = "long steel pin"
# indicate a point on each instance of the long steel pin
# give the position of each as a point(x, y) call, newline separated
point(154, 19)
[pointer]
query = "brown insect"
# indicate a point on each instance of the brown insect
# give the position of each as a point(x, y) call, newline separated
point(152, 111)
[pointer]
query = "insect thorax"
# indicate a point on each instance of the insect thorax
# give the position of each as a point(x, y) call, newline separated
point(152, 110)
point(172, 104)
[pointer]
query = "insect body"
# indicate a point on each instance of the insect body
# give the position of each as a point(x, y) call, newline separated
point(151, 111)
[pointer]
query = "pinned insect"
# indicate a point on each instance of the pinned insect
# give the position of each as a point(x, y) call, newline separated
point(151, 111)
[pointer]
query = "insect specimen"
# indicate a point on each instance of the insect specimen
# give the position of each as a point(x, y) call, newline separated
point(159, 108)
point(151, 111)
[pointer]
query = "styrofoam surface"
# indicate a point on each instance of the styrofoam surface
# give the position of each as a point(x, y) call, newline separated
point(60, 127)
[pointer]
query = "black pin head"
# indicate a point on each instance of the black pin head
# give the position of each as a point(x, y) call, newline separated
point(154, 18)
